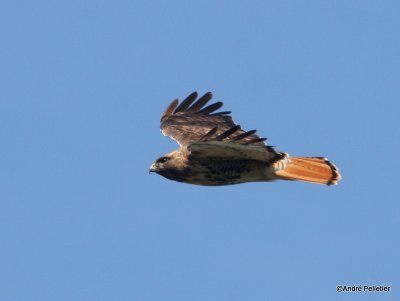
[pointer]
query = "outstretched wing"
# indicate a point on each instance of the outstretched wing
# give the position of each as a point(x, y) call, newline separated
point(190, 121)
point(221, 149)
point(209, 134)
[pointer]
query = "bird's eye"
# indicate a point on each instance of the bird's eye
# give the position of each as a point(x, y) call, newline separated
point(163, 160)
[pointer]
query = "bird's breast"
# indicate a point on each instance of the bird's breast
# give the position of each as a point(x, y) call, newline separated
point(225, 171)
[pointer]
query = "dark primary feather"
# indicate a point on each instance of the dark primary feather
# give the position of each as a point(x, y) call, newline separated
point(221, 113)
point(186, 102)
point(255, 140)
point(201, 102)
point(189, 122)
point(209, 134)
point(244, 135)
point(211, 108)
point(227, 133)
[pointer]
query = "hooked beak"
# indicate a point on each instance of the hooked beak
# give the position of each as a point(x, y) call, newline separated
point(153, 168)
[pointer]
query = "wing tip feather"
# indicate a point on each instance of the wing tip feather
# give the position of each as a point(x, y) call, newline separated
point(170, 109)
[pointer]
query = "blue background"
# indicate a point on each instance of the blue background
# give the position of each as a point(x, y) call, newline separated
point(82, 88)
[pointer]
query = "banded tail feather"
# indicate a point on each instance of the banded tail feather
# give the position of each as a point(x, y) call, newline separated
point(317, 170)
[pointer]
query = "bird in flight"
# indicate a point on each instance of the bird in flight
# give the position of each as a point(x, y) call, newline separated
point(215, 151)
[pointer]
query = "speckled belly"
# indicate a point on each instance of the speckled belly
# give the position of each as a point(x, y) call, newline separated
point(215, 172)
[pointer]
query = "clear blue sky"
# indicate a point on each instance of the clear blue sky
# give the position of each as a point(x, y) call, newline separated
point(82, 87)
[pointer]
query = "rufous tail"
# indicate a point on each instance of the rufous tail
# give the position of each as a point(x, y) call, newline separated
point(310, 169)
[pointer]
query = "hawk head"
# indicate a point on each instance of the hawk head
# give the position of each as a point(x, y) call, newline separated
point(161, 164)
point(170, 166)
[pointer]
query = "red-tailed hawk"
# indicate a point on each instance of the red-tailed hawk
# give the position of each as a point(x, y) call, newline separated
point(216, 151)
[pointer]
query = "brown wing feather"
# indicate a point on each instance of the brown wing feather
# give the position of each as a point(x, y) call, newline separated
point(186, 102)
point(189, 122)
point(169, 110)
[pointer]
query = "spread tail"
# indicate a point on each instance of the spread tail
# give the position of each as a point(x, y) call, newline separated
point(310, 169)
